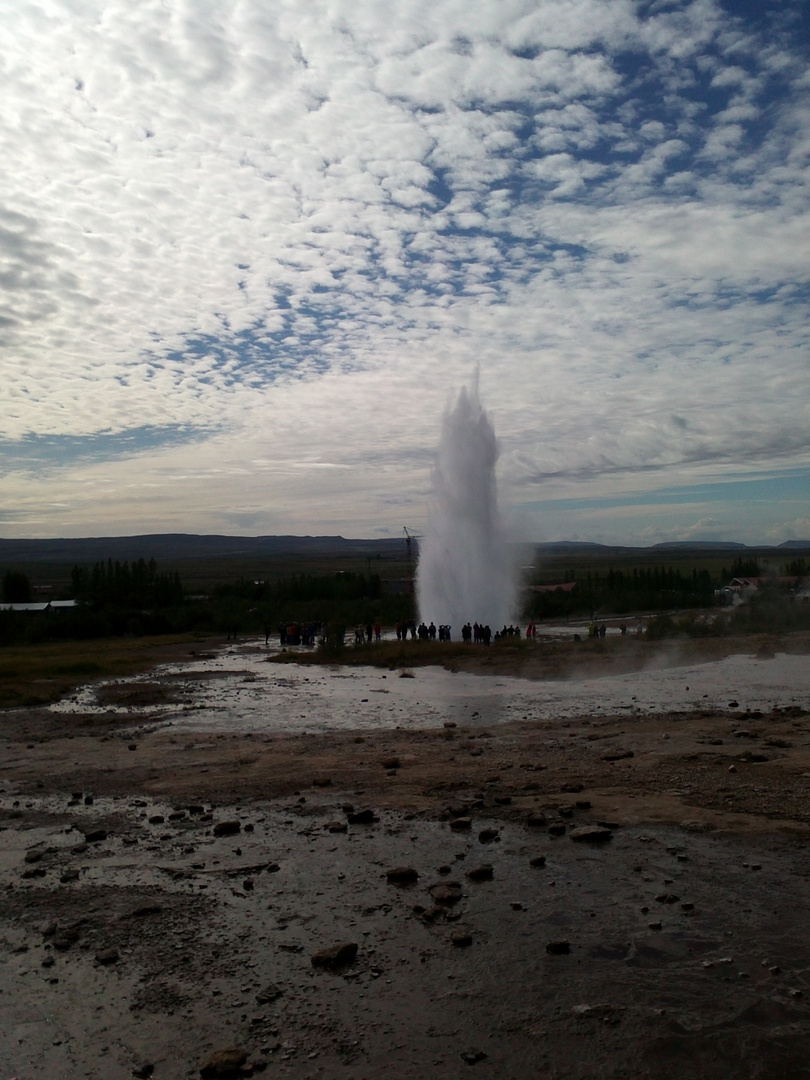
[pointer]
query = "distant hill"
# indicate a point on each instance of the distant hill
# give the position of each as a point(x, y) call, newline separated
point(176, 546)
point(700, 545)
point(173, 547)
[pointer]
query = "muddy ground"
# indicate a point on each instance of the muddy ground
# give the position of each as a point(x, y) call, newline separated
point(162, 896)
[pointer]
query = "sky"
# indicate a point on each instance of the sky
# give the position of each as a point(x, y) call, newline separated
point(251, 251)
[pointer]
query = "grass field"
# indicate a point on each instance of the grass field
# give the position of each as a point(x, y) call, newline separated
point(42, 674)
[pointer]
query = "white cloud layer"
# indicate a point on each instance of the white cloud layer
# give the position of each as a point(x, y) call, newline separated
point(248, 251)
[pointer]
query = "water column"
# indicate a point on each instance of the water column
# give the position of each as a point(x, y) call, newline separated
point(464, 572)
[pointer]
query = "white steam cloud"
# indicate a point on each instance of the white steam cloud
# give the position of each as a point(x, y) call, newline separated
point(465, 572)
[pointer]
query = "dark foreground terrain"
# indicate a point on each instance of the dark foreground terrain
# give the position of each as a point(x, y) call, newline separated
point(624, 897)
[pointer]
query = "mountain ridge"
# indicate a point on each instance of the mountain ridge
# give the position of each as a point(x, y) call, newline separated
point(173, 546)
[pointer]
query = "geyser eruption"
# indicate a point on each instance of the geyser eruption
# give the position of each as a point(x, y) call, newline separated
point(464, 572)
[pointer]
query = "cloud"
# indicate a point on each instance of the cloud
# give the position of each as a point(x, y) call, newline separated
point(293, 231)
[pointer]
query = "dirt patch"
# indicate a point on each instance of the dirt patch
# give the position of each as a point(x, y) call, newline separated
point(149, 693)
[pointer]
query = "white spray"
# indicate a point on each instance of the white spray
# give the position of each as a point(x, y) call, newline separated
point(464, 572)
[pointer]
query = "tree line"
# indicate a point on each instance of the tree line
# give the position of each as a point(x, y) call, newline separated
point(625, 591)
point(133, 598)
point(121, 584)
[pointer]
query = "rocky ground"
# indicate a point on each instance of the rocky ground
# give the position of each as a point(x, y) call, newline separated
point(615, 897)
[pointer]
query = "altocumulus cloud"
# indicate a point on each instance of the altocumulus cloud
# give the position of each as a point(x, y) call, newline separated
point(249, 251)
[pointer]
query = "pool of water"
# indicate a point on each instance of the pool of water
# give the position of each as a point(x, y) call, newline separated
point(238, 689)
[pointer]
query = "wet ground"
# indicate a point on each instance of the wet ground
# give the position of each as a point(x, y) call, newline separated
point(143, 928)
point(685, 954)
point(239, 689)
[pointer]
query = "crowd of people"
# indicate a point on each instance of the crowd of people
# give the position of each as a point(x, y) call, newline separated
point(477, 633)
point(296, 633)
point(292, 634)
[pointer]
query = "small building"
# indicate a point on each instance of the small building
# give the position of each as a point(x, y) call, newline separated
point(566, 587)
point(40, 606)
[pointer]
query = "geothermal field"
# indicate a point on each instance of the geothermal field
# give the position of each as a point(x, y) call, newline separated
point(562, 858)
point(516, 877)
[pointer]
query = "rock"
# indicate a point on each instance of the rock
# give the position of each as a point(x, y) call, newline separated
point(227, 828)
point(565, 811)
point(224, 1063)
point(69, 875)
point(461, 824)
point(322, 781)
point(107, 956)
point(33, 856)
point(143, 1069)
point(156, 819)
point(461, 939)
point(591, 834)
point(64, 940)
point(667, 898)
point(572, 788)
point(536, 820)
point(95, 836)
point(472, 1057)
point(335, 956)
point(336, 826)
point(402, 875)
point(431, 914)
point(558, 947)
point(391, 763)
point(361, 817)
point(270, 993)
point(503, 800)
point(487, 836)
point(557, 828)
point(146, 909)
point(617, 755)
point(446, 893)
point(480, 873)
point(132, 746)
point(537, 861)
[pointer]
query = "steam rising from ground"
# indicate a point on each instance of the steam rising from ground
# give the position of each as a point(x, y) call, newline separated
point(465, 572)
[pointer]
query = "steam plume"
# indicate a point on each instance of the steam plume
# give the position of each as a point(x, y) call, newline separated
point(464, 572)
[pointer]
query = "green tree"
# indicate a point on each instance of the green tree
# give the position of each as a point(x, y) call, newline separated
point(16, 587)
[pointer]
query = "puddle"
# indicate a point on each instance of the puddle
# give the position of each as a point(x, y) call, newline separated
point(239, 690)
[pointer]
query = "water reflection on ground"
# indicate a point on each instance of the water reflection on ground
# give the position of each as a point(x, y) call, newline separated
point(237, 689)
